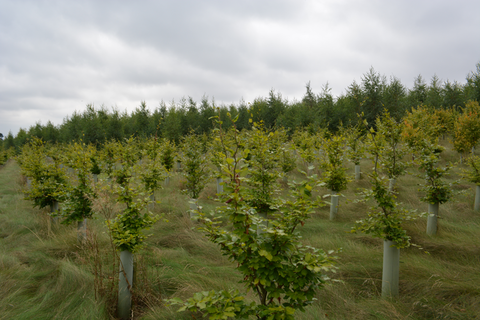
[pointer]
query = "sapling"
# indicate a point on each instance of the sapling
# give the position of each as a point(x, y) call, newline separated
point(334, 176)
point(355, 148)
point(167, 158)
point(127, 228)
point(152, 172)
point(196, 170)
point(393, 150)
point(436, 190)
point(305, 147)
point(217, 160)
point(420, 127)
point(286, 157)
point(287, 161)
point(283, 274)
point(467, 129)
point(472, 174)
point(384, 221)
point(48, 179)
point(95, 170)
point(262, 170)
point(108, 159)
point(78, 198)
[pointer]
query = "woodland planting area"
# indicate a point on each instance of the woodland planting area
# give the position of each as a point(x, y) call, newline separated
point(249, 212)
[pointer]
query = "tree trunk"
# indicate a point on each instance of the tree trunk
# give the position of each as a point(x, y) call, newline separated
point(391, 269)
point(125, 285)
point(432, 219)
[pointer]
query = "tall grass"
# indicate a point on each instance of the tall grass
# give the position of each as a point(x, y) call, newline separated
point(45, 275)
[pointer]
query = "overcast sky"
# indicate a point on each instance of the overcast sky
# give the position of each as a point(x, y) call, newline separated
point(58, 56)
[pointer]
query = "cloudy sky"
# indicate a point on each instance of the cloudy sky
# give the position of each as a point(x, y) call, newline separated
point(58, 56)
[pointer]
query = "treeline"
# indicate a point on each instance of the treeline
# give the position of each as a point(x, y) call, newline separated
point(315, 110)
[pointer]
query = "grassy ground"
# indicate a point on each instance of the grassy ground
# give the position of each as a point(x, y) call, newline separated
point(44, 274)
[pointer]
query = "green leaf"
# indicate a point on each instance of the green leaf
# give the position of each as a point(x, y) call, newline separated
point(265, 254)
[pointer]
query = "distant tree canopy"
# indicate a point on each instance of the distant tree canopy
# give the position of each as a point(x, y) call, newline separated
point(371, 96)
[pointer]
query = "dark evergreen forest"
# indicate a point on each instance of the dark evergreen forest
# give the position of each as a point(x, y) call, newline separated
point(316, 109)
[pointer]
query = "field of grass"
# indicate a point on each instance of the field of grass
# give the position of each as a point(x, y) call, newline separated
point(45, 274)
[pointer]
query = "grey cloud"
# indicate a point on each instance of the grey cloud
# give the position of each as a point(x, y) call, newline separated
point(58, 56)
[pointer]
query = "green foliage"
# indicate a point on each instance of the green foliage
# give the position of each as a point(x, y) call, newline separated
point(335, 175)
point(435, 188)
point(392, 151)
point(152, 172)
point(355, 144)
point(445, 120)
point(196, 170)
point(78, 198)
point(305, 145)
point(472, 174)
point(95, 166)
point(127, 228)
point(108, 158)
point(167, 156)
point(385, 219)
point(286, 157)
point(219, 305)
point(283, 273)
point(48, 179)
point(467, 128)
point(374, 144)
point(420, 128)
point(263, 168)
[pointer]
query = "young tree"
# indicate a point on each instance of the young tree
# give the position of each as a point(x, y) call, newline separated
point(472, 174)
point(196, 171)
point(435, 189)
point(282, 273)
point(392, 151)
point(354, 139)
point(334, 175)
point(48, 179)
point(167, 157)
point(127, 228)
point(152, 172)
point(467, 128)
point(384, 221)
point(420, 127)
point(263, 170)
point(304, 144)
point(78, 198)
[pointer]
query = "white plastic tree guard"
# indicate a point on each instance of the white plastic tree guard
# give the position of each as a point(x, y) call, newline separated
point(333, 206)
point(432, 219)
point(193, 207)
point(125, 285)
point(476, 206)
point(358, 173)
point(391, 269)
